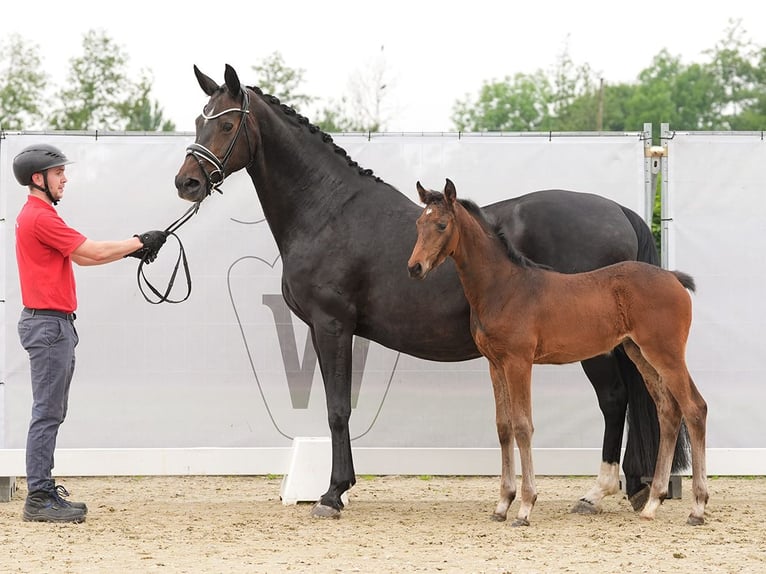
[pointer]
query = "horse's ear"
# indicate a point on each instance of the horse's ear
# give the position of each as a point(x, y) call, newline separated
point(450, 193)
point(232, 80)
point(208, 86)
point(422, 193)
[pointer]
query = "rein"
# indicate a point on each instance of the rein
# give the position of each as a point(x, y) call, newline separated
point(214, 181)
point(181, 260)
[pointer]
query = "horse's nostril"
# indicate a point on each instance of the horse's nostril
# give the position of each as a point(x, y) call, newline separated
point(415, 270)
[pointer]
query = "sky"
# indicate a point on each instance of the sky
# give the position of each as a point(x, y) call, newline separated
point(435, 52)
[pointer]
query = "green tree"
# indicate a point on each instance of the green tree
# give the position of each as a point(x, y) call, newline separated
point(521, 103)
point(99, 94)
point(738, 68)
point(275, 77)
point(332, 119)
point(22, 85)
point(143, 113)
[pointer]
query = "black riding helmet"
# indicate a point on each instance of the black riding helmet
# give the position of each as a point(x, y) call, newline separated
point(38, 158)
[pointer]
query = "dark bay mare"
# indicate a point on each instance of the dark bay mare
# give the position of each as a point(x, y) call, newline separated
point(344, 237)
point(523, 314)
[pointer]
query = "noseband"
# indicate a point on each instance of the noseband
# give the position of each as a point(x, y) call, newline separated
point(202, 154)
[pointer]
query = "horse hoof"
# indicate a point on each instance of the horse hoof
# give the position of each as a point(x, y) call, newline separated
point(323, 511)
point(520, 522)
point(695, 520)
point(638, 500)
point(497, 517)
point(583, 506)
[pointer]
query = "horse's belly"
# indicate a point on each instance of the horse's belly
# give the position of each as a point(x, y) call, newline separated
point(570, 349)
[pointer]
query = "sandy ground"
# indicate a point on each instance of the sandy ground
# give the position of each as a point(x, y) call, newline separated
point(392, 524)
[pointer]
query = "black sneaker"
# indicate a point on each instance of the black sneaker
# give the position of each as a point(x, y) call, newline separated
point(47, 506)
point(61, 493)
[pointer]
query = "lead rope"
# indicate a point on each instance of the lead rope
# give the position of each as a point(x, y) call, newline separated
point(181, 260)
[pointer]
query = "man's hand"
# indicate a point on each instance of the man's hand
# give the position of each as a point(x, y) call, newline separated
point(138, 253)
point(152, 242)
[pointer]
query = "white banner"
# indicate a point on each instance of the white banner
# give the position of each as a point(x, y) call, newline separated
point(717, 233)
point(231, 367)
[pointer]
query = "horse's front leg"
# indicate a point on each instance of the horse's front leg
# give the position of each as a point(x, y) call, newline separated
point(518, 379)
point(333, 345)
point(505, 437)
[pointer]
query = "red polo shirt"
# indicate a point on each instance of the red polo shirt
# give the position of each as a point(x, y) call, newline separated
point(44, 244)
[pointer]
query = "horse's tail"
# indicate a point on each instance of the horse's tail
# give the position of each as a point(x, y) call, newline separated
point(686, 280)
point(643, 423)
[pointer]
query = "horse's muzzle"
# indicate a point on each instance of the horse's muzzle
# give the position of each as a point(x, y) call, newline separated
point(417, 271)
point(190, 188)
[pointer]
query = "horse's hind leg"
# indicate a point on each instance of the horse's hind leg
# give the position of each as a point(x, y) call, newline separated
point(604, 374)
point(505, 436)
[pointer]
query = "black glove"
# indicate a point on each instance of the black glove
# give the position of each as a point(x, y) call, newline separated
point(138, 253)
point(153, 240)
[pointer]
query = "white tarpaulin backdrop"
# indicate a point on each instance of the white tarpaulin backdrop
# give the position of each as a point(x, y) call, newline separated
point(211, 372)
point(717, 207)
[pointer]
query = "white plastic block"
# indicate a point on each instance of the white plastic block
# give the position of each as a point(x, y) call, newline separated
point(308, 475)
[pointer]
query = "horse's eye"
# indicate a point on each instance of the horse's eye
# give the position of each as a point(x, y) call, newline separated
point(227, 126)
point(441, 226)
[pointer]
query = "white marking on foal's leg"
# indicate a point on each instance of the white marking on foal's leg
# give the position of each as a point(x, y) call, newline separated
point(607, 483)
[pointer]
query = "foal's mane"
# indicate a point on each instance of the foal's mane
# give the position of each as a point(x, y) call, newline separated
point(492, 225)
point(303, 121)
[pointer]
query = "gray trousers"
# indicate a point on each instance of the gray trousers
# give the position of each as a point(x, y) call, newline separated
point(50, 342)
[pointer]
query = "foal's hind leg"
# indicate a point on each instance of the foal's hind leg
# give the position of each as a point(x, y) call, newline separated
point(669, 415)
point(677, 382)
point(505, 437)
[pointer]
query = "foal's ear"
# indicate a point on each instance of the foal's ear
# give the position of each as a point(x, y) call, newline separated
point(208, 86)
point(232, 80)
point(422, 193)
point(449, 192)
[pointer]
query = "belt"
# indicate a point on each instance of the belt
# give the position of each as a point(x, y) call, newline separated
point(52, 313)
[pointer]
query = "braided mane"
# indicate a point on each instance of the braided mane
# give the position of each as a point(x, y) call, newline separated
point(303, 121)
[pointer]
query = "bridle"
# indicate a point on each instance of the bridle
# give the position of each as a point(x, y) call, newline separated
point(202, 154)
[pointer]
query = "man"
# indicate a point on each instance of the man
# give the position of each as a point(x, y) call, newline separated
point(45, 250)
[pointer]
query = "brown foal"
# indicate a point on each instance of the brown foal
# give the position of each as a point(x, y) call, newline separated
point(523, 314)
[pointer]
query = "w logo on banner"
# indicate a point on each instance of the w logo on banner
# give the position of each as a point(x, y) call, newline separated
point(284, 362)
point(300, 374)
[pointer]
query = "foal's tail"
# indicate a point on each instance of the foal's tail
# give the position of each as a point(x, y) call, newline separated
point(643, 423)
point(686, 280)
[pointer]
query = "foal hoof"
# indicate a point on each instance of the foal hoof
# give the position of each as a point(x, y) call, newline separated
point(695, 520)
point(638, 500)
point(583, 506)
point(495, 517)
point(520, 522)
point(323, 511)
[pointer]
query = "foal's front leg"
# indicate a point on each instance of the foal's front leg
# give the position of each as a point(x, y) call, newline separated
point(518, 379)
point(505, 437)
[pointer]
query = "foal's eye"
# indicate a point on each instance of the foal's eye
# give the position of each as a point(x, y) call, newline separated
point(441, 226)
point(227, 126)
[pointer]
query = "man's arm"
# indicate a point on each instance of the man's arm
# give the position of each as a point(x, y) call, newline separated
point(92, 252)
